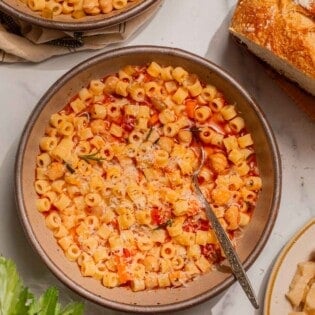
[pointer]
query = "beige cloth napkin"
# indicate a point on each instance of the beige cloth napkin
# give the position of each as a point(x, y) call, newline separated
point(37, 44)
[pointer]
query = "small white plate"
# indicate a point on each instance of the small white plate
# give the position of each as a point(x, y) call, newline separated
point(300, 248)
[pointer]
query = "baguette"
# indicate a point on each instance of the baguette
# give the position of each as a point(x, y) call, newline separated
point(282, 33)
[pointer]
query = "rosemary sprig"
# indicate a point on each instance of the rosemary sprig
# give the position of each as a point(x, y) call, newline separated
point(92, 156)
point(156, 141)
point(148, 135)
point(69, 168)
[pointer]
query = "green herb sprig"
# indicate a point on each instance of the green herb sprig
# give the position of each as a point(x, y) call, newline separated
point(148, 134)
point(92, 157)
point(69, 168)
point(164, 225)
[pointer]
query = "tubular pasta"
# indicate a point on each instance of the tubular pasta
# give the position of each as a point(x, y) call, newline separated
point(78, 8)
point(113, 174)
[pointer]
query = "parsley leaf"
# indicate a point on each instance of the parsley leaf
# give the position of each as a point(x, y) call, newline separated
point(169, 222)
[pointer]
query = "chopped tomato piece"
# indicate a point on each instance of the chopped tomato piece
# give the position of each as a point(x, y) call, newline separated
point(153, 119)
point(155, 216)
point(126, 252)
point(128, 123)
point(191, 225)
point(212, 252)
point(204, 225)
point(190, 108)
point(121, 270)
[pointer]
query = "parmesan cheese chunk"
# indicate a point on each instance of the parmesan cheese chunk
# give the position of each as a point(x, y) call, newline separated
point(63, 149)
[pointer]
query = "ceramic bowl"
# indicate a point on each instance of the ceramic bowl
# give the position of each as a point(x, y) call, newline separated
point(255, 234)
point(64, 22)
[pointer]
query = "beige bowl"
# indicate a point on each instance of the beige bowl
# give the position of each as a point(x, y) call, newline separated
point(18, 9)
point(206, 286)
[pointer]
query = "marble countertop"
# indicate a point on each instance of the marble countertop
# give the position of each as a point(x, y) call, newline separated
point(200, 27)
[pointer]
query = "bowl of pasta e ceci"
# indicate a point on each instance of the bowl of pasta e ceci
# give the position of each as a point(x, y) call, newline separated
point(104, 178)
point(75, 15)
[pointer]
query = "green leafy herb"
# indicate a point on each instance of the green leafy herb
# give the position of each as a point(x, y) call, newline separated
point(92, 156)
point(69, 168)
point(169, 222)
point(15, 299)
point(148, 134)
point(156, 141)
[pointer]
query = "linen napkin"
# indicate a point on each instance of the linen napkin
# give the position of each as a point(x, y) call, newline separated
point(22, 42)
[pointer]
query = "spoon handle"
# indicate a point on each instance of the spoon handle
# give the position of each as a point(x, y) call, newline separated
point(227, 247)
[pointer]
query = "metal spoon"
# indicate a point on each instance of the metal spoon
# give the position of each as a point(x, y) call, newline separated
point(225, 242)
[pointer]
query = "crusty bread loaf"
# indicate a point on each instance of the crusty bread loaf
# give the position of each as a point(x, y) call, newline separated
point(307, 4)
point(282, 33)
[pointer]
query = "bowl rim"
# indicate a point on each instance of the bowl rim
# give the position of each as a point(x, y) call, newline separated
point(74, 25)
point(19, 164)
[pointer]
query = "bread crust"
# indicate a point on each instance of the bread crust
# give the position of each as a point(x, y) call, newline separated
point(307, 4)
point(281, 26)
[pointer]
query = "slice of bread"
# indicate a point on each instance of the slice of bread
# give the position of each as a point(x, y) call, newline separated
point(307, 4)
point(282, 33)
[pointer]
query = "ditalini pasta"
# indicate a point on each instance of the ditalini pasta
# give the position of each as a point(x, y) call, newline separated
point(114, 177)
point(76, 8)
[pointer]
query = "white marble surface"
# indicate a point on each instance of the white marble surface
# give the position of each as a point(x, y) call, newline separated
point(201, 27)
